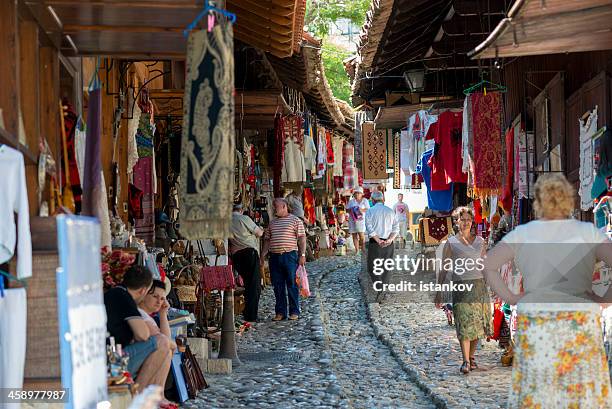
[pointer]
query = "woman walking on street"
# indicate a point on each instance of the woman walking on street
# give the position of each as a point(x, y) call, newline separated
point(471, 308)
point(559, 359)
point(356, 209)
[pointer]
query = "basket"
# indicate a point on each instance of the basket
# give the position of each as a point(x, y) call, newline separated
point(185, 293)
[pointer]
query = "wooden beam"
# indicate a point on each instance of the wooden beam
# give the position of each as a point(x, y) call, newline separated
point(265, 7)
point(73, 28)
point(256, 16)
point(178, 4)
point(577, 43)
point(49, 78)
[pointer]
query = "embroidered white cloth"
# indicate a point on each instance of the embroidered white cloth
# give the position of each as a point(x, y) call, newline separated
point(14, 200)
point(132, 147)
point(588, 128)
point(337, 144)
point(321, 153)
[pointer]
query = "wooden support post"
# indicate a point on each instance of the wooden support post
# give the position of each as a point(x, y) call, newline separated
point(9, 62)
point(30, 104)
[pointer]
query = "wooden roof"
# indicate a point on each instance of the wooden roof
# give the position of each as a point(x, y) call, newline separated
point(304, 72)
point(434, 35)
point(154, 28)
point(534, 27)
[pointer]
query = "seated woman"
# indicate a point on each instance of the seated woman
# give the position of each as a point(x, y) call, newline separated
point(155, 303)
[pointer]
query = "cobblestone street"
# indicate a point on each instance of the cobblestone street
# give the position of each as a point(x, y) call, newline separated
point(345, 353)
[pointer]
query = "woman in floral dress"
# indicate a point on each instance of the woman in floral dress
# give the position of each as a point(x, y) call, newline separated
point(559, 359)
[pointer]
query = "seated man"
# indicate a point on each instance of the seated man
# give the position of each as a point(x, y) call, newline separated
point(150, 355)
point(155, 303)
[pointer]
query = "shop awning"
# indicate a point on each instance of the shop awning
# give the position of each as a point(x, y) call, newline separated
point(397, 116)
point(535, 27)
point(154, 28)
point(253, 109)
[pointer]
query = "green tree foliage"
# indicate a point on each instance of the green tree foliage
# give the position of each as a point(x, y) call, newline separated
point(337, 78)
point(320, 16)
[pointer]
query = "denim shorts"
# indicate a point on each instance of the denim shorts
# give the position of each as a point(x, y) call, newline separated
point(139, 352)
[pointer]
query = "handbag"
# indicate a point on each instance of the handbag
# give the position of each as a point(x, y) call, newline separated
point(301, 279)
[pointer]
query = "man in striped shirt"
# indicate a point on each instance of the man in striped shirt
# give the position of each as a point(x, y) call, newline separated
point(285, 240)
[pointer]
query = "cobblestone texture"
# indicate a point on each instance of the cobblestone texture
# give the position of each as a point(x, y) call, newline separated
point(421, 339)
point(341, 364)
point(351, 354)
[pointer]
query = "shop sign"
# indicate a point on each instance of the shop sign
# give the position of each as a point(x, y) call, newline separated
point(82, 316)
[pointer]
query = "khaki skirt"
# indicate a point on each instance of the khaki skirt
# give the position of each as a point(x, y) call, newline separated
point(472, 311)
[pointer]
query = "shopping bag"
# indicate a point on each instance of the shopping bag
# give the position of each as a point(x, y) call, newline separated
point(301, 278)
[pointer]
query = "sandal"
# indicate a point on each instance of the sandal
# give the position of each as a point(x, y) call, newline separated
point(465, 368)
point(473, 364)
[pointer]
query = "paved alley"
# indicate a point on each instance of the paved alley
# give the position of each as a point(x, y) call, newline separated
point(345, 353)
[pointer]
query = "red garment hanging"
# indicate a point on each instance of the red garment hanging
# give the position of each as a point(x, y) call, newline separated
point(447, 156)
point(309, 206)
point(477, 211)
point(507, 196)
point(330, 147)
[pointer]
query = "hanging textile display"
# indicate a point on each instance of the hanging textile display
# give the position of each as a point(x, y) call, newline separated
point(70, 126)
point(486, 110)
point(94, 201)
point(435, 229)
point(310, 152)
point(522, 157)
point(397, 172)
point(309, 206)
point(588, 128)
point(374, 152)
point(207, 148)
point(360, 118)
point(279, 152)
point(338, 145)
point(132, 147)
point(321, 152)
point(293, 167)
point(441, 200)
point(348, 166)
point(330, 147)
point(389, 143)
point(406, 153)
point(143, 178)
point(467, 137)
point(506, 200)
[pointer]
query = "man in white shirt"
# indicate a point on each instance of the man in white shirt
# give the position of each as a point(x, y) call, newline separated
point(401, 213)
point(244, 250)
point(382, 228)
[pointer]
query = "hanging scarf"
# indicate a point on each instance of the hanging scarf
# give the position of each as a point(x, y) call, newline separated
point(207, 150)
point(70, 122)
point(397, 174)
point(506, 200)
point(588, 128)
point(486, 110)
point(338, 155)
point(94, 189)
point(348, 166)
point(321, 152)
point(309, 206)
point(330, 147)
